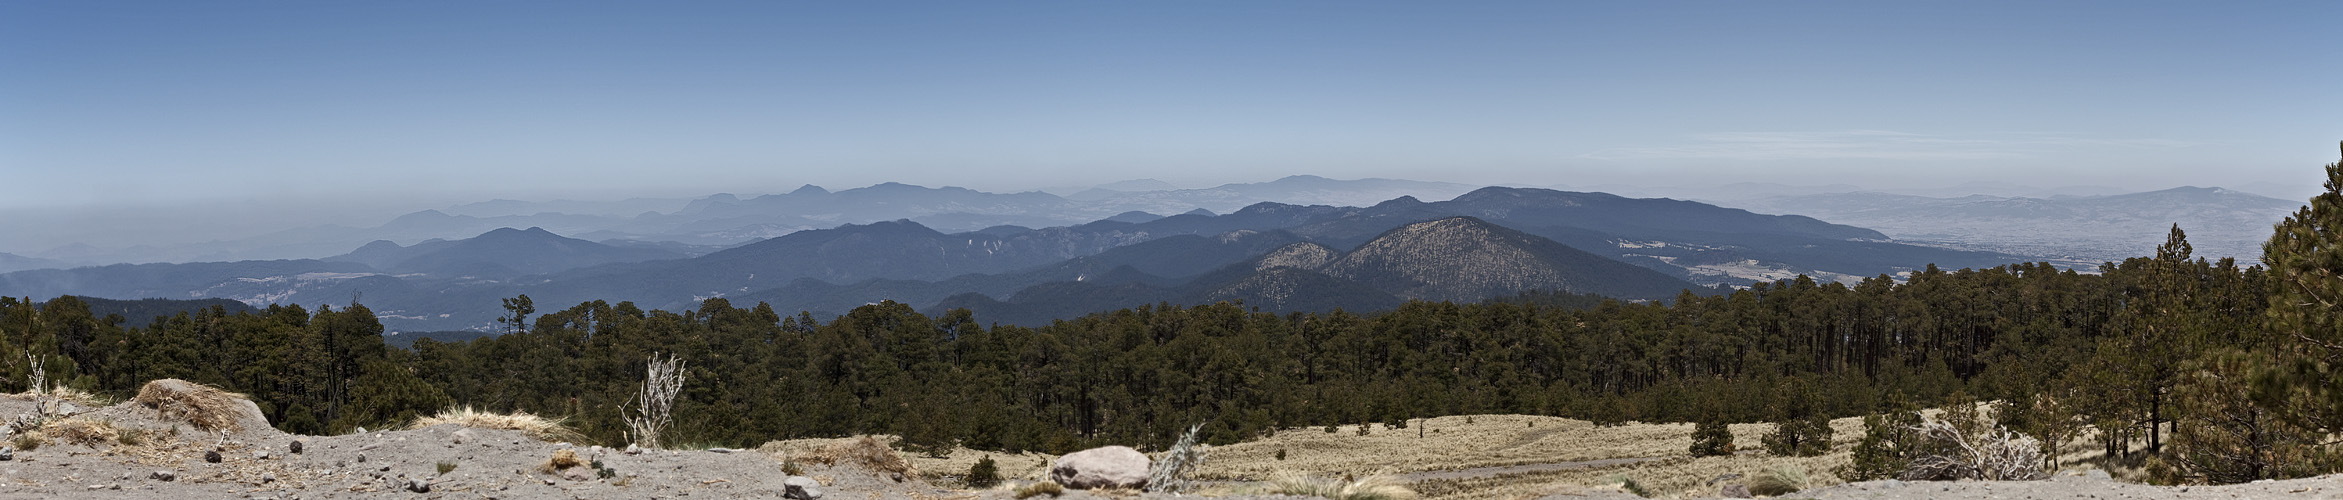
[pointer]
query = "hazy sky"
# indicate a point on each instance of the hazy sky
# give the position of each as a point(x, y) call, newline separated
point(106, 105)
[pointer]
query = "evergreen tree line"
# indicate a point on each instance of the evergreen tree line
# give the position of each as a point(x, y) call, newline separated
point(2230, 364)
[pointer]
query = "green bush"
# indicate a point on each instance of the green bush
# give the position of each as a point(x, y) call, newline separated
point(984, 474)
point(1711, 437)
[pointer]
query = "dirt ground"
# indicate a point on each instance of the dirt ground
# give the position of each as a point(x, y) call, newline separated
point(1482, 456)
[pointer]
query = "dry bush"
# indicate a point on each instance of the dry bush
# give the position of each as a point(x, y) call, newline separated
point(207, 407)
point(864, 451)
point(541, 428)
point(561, 459)
point(82, 432)
point(28, 441)
point(1991, 454)
point(1050, 488)
point(655, 403)
point(1377, 487)
point(1171, 473)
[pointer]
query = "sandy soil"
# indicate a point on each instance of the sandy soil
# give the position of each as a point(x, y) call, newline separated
point(1485, 456)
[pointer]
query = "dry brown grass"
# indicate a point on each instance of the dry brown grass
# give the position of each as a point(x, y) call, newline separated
point(541, 428)
point(1377, 487)
point(82, 432)
point(863, 451)
point(1451, 443)
point(1050, 488)
point(207, 407)
point(561, 459)
point(67, 394)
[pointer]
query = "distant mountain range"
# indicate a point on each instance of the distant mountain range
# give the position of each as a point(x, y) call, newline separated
point(2079, 230)
point(702, 225)
point(1488, 242)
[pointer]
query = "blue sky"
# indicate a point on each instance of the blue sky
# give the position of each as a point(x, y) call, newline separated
point(113, 104)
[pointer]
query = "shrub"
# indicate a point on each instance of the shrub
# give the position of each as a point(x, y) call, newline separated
point(446, 467)
point(1711, 438)
point(1805, 436)
point(1889, 442)
point(984, 474)
point(1281, 453)
point(654, 406)
point(1041, 488)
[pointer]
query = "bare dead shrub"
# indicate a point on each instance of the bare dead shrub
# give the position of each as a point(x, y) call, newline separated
point(1170, 473)
point(655, 404)
point(1991, 454)
point(1379, 487)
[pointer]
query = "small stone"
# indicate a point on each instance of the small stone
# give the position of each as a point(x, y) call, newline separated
point(632, 450)
point(361, 458)
point(211, 456)
point(548, 482)
point(7, 453)
point(1735, 491)
point(268, 478)
point(164, 475)
point(296, 446)
point(263, 455)
point(801, 488)
point(418, 486)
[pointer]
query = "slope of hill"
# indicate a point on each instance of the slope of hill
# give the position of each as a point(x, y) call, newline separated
point(1454, 258)
point(1467, 259)
point(503, 252)
point(12, 263)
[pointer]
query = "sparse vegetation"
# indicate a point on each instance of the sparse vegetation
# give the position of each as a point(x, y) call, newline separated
point(446, 467)
point(207, 407)
point(541, 428)
point(1041, 488)
point(1778, 481)
point(28, 441)
point(82, 432)
point(1377, 487)
point(561, 459)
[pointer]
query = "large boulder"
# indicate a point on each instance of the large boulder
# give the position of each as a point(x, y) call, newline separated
point(1107, 467)
point(206, 407)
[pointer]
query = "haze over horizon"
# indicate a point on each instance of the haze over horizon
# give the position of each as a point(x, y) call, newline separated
point(232, 118)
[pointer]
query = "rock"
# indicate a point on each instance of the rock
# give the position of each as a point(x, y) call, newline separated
point(461, 436)
point(7, 453)
point(1735, 491)
point(164, 475)
point(1106, 467)
point(262, 454)
point(268, 478)
point(2097, 474)
point(801, 488)
point(418, 486)
point(296, 446)
point(361, 458)
point(632, 450)
point(208, 408)
point(211, 456)
point(580, 473)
